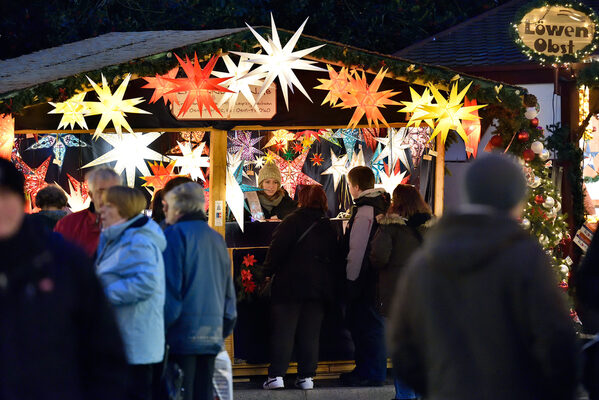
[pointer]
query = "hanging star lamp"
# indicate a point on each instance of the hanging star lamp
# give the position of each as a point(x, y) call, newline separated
point(337, 86)
point(370, 136)
point(279, 62)
point(78, 196)
point(414, 108)
point(160, 175)
point(35, 178)
point(59, 143)
point(367, 99)
point(472, 129)
point(338, 168)
point(130, 152)
point(163, 87)
point(280, 136)
point(395, 147)
point(192, 161)
point(291, 173)
point(73, 112)
point(7, 135)
point(330, 136)
point(243, 143)
point(112, 107)
point(390, 182)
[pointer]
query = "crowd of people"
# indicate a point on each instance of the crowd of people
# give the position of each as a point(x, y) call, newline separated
point(466, 306)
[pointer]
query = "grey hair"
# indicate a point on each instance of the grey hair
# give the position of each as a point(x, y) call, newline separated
point(186, 198)
point(102, 174)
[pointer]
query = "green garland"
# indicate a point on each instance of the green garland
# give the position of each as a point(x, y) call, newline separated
point(561, 59)
point(589, 75)
point(588, 179)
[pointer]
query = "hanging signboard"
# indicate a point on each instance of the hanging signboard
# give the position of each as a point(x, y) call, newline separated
point(243, 110)
point(556, 33)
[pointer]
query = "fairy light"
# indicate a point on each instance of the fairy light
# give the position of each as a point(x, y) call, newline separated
point(584, 109)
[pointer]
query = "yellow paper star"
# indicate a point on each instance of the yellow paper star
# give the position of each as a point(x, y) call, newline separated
point(450, 113)
point(269, 158)
point(414, 107)
point(73, 111)
point(280, 136)
point(112, 107)
point(338, 84)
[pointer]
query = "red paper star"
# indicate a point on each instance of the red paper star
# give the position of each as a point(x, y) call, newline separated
point(307, 134)
point(198, 85)
point(79, 187)
point(337, 85)
point(163, 87)
point(7, 135)
point(161, 175)
point(35, 179)
point(472, 129)
point(249, 260)
point(291, 173)
point(317, 159)
point(298, 148)
point(278, 146)
point(369, 135)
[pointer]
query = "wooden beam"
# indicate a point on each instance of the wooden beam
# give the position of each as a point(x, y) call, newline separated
point(439, 176)
point(218, 178)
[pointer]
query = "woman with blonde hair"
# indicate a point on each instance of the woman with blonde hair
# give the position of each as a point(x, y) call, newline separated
point(130, 266)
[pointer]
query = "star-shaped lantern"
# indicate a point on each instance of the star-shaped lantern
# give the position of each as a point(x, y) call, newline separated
point(58, 142)
point(317, 159)
point(7, 135)
point(130, 152)
point(112, 107)
point(279, 62)
point(370, 136)
point(472, 129)
point(589, 157)
point(192, 161)
point(367, 99)
point(414, 108)
point(337, 86)
point(330, 136)
point(281, 136)
point(198, 85)
point(78, 196)
point(395, 147)
point(163, 86)
point(73, 112)
point(35, 178)
point(160, 175)
point(291, 173)
point(390, 182)
point(243, 143)
point(350, 137)
point(337, 169)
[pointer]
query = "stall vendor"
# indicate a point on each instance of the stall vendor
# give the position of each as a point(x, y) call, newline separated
point(274, 200)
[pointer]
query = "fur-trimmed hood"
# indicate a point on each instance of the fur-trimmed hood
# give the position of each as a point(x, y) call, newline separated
point(423, 220)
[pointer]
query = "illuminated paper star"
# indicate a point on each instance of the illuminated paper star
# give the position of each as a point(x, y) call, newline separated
point(78, 196)
point(307, 142)
point(160, 175)
point(269, 158)
point(7, 135)
point(298, 148)
point(330, 136)
point(259, 162)
point(130, 152)
point(418, 139)
point(370, 135)
point(288, 155)
point(112, 107)
point(239, 83)
point(198, 85)
point(280, 136)
point(35, 178)
point(337, 86)
point(377, 167)
point(317, 159)
point(472, 129)
point(279, 62)
point(307, 134)
point(357, 159)
point(239, 173)
point(235, 198)
point(448, 114)
point(192, 161)
point(414, 108)
point(395, 147)
point(58, 142)
point(389, 183)
point(337, 169)
point(350, 137)
point(194, 137)
point(73, 111)
point(291, 173)
point(367, 99)
point(163, 87)
point(243, 143)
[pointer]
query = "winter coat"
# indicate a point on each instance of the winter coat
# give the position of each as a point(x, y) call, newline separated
point(392, 245)
point(49, 218)
point(200, 297)
point(131, 269)
point(585, 283)
point(58, 335)
point(81, 228)
point(362, 279)
point(285, 207)
point(479, 315)
point(303, 271)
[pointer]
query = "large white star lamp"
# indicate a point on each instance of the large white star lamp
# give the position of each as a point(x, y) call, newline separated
point(192, 160)
point(239, 83)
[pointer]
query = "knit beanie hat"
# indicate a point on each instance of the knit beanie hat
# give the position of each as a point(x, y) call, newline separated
point(495, 180)
point(10, 178)
point(269, 171)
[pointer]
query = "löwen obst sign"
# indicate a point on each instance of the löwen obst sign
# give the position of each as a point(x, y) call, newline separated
point(556, 33)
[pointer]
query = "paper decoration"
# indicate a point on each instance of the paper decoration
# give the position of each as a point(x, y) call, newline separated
point(35, 178)
point(307, 142)
point(239, 83)
point(130, 152)
point(291, 173)
point(307, 134)
point(338, 168)
point(589, 157)
point(367, 99)
point(235, 198)
point(194, 137)
point(414, 108)
point(78, 196)
point(163, 86)
point(160, 175)
point(198, 85)
point(243, 143)
point(259, 162)
point(298, 147)
point(369, 136)
point(337, 86)
point(73, 111)
point(288, 155)
point(192, 161)
point(472, 129)
point(449, 113)
point(390, 182)
point(395, 147)
point(238, 173)
point(330, 136)
point(317, 159)
point(418, 139)
point(378, 166)
point(281, 136)
point(269, 158)
point(7, 135)
point(58, 142)
point(350, 137)
point(279, 62)
point(357, 159)
point(112, 107)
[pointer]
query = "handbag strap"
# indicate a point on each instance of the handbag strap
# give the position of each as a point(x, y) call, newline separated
point(308, 230)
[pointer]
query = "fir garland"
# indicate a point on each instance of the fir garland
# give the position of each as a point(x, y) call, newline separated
point(589, 75)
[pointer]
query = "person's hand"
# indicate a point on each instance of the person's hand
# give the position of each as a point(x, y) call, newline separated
point(274, 218)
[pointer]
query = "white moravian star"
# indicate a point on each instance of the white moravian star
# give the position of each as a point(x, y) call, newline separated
point(395, 148)
point(338, 168)
point(389, 183)
point(130, 151)
point(279, 62)
point(192, 160)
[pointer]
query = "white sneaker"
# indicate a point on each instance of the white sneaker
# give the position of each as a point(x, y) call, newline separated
point(304, 383)
point(274, 383)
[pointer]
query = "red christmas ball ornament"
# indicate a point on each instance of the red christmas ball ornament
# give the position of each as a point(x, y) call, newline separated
point(523, 136)
point(539, 199)
point(496, 141)
point(528, 155)
point(534, 122)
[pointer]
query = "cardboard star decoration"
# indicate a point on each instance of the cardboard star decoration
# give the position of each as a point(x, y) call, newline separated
point(163, 87)
point(338, 168)
point(414, 108)
point(472, 129)
point(73, 112)
point(282, 136)
point(192, 160)
point(337, 86)
point(78, 196)
point(35, 178)
point(160, 175)
point(7, 135)
point(291, 173)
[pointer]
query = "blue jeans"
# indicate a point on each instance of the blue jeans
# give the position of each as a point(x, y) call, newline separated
point(367, 329)
point(403, 391)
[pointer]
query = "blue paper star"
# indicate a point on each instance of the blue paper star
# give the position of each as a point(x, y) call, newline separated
point(58, 142)
point(589, 157)
point(379, 166)
point(350, 137)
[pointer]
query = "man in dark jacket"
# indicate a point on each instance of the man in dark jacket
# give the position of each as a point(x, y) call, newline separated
point(58, 337)
point(478, 313)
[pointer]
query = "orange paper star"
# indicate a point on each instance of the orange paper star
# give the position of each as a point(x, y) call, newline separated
point(367, 99)
point(307, 134)
point(161, 175)
point(163, 87)
point(472, 129)
point(198, 85)
point(316, 159)
point(338, 85)
point(7, 135)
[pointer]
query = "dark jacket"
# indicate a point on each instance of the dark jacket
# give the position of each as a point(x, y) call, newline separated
point(585, 283)
point(394, 242)
point(304, 270)
point(285, 207)
point(58, 336)
point(200, 297)
point(49, 218)
point(478, 315)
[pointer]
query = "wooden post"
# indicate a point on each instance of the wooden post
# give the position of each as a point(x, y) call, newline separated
point(439, 176)
point(218, 178)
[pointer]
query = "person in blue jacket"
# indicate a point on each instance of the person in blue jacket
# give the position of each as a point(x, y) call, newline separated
point(200, 297)
point(130, 266)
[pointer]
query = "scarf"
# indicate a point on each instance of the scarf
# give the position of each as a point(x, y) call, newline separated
point(270, 202)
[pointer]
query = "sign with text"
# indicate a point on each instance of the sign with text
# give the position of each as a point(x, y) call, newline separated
point(556, 31)
point(242, 110)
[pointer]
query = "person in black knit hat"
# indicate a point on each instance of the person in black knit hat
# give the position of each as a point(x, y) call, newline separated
point(58, 337)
